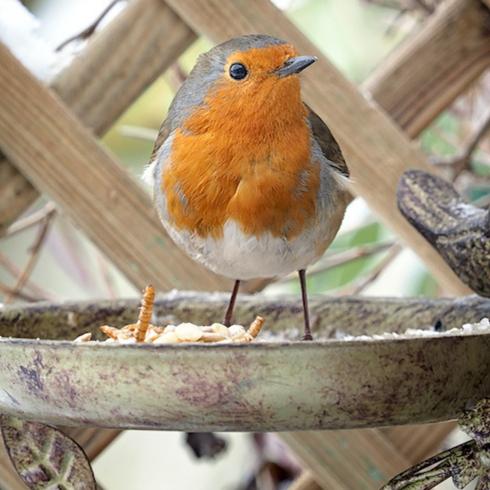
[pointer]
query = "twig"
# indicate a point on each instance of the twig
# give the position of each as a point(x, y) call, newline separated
point(14, 271)
point(390, 4)
point(31, 220)
point(405, 6)
point(88, 31)
point(34, 255)
point(392, 26)
point(360, 285)
point(9, 292)
point(139, 132)
point(428, 9)
point(334, 260)
point(461, 162)
point(449, 139)
point(176, 76)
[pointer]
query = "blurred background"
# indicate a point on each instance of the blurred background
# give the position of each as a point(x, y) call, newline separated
point(56, 261)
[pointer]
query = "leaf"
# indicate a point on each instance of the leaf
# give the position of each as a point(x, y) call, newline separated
point(44, 457)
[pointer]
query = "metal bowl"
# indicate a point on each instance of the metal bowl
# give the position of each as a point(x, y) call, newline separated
point(271, 385)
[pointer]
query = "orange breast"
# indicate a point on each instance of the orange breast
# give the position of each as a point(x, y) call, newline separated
point(246, 160)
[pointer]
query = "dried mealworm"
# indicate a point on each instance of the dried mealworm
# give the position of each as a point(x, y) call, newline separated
point(146, 311)
point(256, 327)
point(111, 332)
point(212, 337)
point(84, 337)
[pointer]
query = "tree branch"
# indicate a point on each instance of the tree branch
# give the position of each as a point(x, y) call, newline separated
point(34, 289)
point(34, 255)
point(30, 220)
point(88, 31)
point(11, 293)
point(360, 285)
point(462, 161)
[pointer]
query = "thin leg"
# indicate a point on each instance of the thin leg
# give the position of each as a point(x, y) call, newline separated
point(304, 296)
point(231, 304)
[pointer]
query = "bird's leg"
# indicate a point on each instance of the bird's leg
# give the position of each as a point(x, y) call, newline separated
point(304, 296)
point(231, 304)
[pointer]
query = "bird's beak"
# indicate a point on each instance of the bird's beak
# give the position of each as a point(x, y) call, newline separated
point(295, 65)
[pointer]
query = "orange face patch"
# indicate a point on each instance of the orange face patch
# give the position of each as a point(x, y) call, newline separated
point(261, 62)
point(245, 155)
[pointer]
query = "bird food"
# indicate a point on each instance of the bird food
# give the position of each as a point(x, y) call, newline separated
point(144, 332)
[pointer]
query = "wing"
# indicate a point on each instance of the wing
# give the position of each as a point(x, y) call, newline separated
point(329, 146)
point(164, 132)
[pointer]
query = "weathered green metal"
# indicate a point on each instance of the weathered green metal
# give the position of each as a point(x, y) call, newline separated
point(350, 314)
point(263, 386)
point(44, 457)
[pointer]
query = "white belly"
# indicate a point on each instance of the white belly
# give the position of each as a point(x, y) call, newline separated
point(240, 256)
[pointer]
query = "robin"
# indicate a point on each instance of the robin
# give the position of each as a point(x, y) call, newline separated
point(247, 179)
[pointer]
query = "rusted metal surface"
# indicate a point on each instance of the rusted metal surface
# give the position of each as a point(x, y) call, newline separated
point(263, 386)
point(459, 231)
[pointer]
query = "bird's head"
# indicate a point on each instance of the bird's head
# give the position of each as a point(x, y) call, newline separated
point(252, 61)
point(246, 75)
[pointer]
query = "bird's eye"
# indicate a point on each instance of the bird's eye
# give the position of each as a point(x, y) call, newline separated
point(238, 71)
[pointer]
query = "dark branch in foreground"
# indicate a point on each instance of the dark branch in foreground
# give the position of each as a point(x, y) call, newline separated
point(459, 231)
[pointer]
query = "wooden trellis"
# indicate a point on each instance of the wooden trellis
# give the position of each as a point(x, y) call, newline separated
point(65, 160)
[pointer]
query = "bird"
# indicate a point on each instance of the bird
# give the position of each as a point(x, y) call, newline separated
point(247, 179)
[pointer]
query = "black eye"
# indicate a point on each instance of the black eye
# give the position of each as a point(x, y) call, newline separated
point(238, 71)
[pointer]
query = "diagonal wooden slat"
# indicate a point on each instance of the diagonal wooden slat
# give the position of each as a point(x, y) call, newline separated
point(9, 480)
point(425, 74)
point(105, 79)
point(376, 150)
point(305, 481)
point(93, 440)
point(63, 159)
point(418, 442)
point(413, 443)
point(344, 460)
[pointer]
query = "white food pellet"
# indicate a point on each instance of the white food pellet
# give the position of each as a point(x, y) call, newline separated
point(220, 329)
point(236, 331)
point(188, 332)
point(167, 338)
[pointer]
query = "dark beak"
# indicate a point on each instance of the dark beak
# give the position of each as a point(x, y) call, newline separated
point(295, 65)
